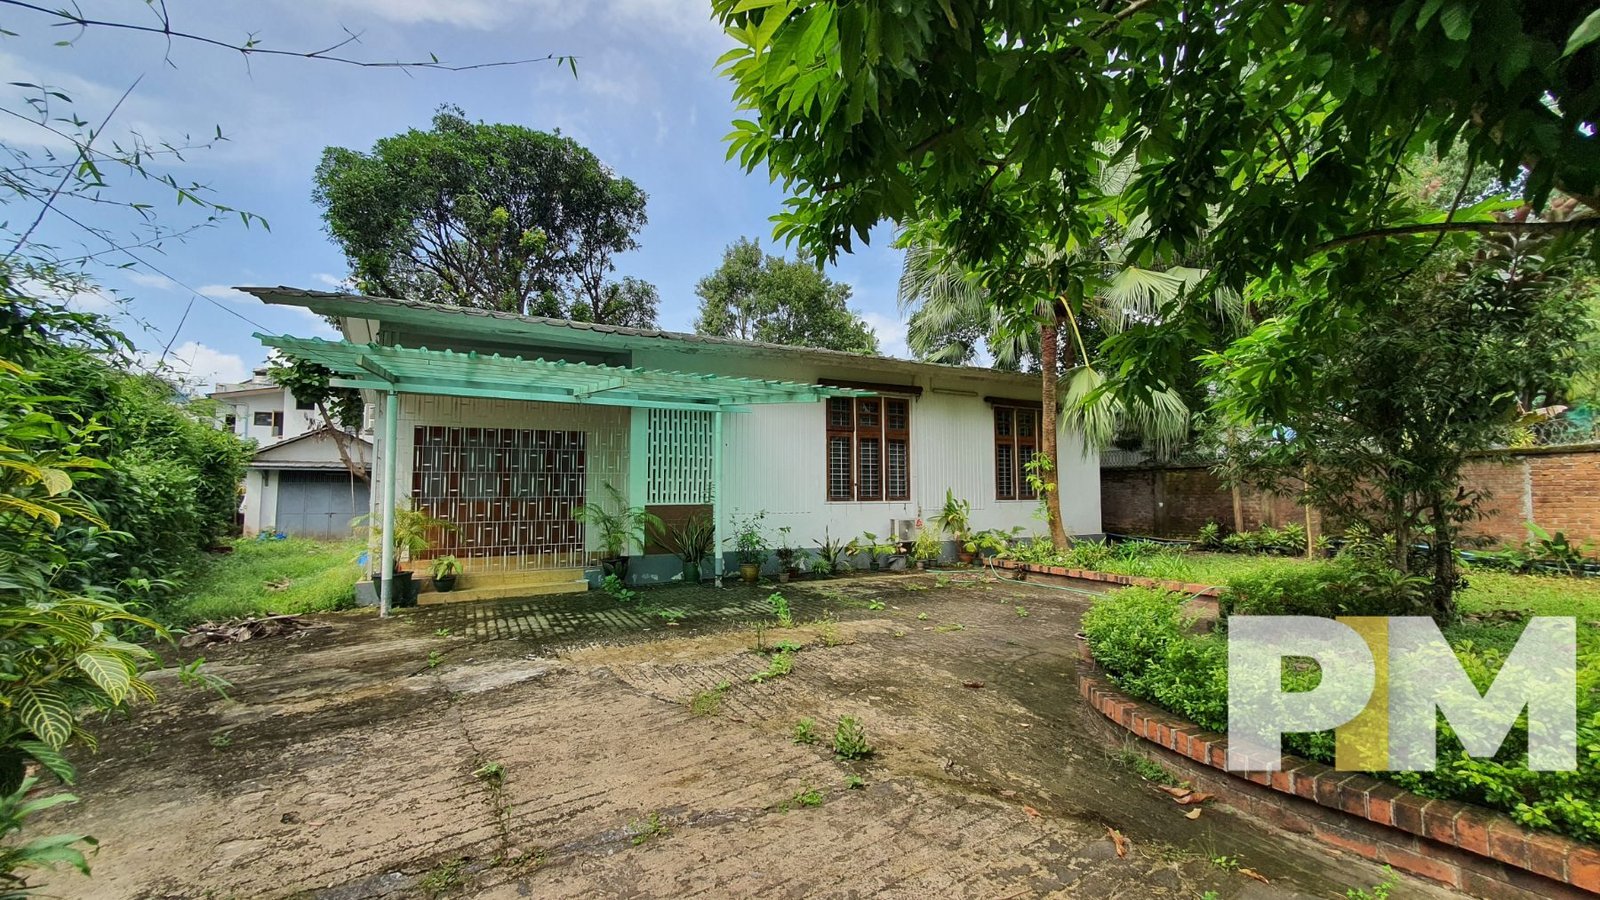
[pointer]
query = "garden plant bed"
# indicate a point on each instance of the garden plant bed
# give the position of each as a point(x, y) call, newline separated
point(1181, 587)
point(1462, 846)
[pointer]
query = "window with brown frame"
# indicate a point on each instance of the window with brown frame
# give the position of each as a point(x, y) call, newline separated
point(869, 448)
point(1016, 440)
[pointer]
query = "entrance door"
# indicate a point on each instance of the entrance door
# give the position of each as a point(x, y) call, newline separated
point(508, 491)
point(319, 504)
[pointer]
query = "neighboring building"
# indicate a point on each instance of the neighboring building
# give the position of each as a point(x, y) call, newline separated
point(298, 483)
point(504, 425)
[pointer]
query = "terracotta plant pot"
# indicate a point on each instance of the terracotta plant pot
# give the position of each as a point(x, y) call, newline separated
point(965, 557)
point(750, 572)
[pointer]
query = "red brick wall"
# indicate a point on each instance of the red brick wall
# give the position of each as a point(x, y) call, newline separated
point(1559, 489)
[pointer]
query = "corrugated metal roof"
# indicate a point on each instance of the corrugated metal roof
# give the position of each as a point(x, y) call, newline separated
point(363, 306)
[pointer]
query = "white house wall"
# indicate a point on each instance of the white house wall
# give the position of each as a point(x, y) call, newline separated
point(774, 457)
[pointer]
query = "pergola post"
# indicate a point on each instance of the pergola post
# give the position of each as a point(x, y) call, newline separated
point(391, 435)
point(716, 491)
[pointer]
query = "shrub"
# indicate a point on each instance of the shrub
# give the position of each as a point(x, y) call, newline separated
point(1348, 587)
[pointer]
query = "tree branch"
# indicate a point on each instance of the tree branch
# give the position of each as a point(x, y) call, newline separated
point(250, 48)
point(1523, 228)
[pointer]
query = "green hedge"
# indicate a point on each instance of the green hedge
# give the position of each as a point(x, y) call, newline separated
point(1143, 640)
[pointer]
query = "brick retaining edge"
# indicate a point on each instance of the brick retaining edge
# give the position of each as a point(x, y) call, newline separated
point(1462, 846)
point(1197, 590)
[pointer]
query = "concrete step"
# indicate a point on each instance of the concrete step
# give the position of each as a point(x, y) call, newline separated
point(470, 580)
point(504, 592)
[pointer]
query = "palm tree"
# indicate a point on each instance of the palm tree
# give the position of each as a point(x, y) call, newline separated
point(951, 313)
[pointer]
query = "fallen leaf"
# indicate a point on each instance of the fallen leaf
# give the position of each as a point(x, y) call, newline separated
point(972, 684)
point(1032, 813)
point(1119, 841)
point(1193, 798)
point(1193, 813)
point(1252, 873)
point(1178, 792)
point(1009, 795)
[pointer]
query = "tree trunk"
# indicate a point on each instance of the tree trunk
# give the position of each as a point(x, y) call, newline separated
point(1048, 341)
point(339, 437)
point(1445, 575)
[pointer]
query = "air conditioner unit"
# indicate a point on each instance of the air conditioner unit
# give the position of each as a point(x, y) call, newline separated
point(902, 530)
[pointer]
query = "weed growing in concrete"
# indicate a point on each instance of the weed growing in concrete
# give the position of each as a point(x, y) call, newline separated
point(1380, 891)
point(876, 605)
point(672, 615)
point(942, 581)
point(761, 638)
point(808, 797)
point(855, 783)
point(1022, 612)
point(618, 591)
point(922, 617)
point(708, 703)
point(780, 608)
point(782, 664)
point(642, 830)
point(1146, 768)
point(828, 632)
point(441, 632)
point(435, 659)
point(949, 628)
point(805, 731)
point(442, 879)
point(1226, 863)
point(222, 739)
point(491, 773)
point(899, 634)
point(850, 739)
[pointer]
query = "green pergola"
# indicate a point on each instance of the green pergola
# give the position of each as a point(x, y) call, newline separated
point(418, 370)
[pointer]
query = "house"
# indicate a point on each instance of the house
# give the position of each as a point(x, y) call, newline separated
point(298, 482)
point(504, 425)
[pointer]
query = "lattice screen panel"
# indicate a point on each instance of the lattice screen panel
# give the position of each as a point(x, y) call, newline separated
point(681, 464)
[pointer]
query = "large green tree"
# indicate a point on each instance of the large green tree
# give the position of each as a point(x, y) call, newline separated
point(1271, 133)
point(496, 216)
point(755, 296)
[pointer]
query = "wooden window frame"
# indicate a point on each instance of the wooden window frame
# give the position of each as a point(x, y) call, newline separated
point(1013, 444)
point(855, 435)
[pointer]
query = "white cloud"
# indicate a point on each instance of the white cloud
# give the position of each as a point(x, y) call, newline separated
point(480, 14)
point(223, 292)
point(96, 300)
point(334, 281)
point(195, 366)
point(159, 282)
point(891, 334)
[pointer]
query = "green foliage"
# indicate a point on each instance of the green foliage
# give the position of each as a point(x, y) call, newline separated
point(1370, 416)
point(1143, 641)
point(850, 739)
point(782, 663)
point(804, 731)
point(480, 215)
point(754, 296)
point(308, 381)
point(708, 702)
point(832, 555)
point(646, 829)
point(927, 547)
point(622, 527)
point(954, 519)
point(262, 577)
point(693, 540)
point(750, 544)
point(620, 592)
point(445, 566)
point(1347, 587)
point(17, 857)
point(780, 608)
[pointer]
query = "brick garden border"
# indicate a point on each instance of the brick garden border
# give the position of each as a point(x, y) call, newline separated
point(1198, 590)
point(1459, 845)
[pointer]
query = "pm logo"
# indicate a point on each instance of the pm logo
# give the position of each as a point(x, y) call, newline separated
point(1383, 684)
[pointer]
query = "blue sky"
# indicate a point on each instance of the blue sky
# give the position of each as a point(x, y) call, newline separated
point(646, 100)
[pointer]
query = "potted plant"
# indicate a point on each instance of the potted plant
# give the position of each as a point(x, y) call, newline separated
point(875, 548)
point(788, 557)
point(413, 530)
point(926, 549)
point(445, 571)
point(831, 555)
point(955, 520)
point(692, 542)
point(620, 530)
point(750, 545)
point(988, 543)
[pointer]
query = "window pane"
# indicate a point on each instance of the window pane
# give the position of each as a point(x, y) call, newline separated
point(1025, 420)
point(261, 418)
point(840, 412)
point(898, 476)
point(1002, 421)
point(838, 468)
point(894, 414)
point(1025, 455)
point(1005, 472)
point(869, 471)
point(867, 413)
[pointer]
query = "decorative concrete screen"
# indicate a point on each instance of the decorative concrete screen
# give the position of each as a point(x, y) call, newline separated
point(681, 465)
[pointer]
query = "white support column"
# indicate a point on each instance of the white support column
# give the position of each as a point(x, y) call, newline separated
point(391, 437)
point(716, 492)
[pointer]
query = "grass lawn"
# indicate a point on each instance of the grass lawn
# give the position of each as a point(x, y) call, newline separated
point(262, 577)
